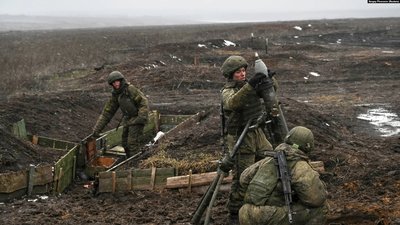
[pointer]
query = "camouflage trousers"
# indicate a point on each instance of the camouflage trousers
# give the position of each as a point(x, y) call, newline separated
point(132, 139)
point(252, 149)
point(274, 215)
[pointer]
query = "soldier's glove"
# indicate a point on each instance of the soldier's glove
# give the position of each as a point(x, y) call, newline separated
point(226, 164)
point(254, 81)
point(264, 85)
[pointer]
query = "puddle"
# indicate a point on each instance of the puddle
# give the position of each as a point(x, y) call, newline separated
point(384, 121)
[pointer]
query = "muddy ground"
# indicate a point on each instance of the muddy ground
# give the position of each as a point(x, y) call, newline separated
point(357, 64)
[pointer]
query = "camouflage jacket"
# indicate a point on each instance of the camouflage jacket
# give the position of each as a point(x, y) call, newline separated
point(133, 104)
point(262, 186)
point(241, 103)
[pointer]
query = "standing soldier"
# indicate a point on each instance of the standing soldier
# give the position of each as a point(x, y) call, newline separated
point(265, 198)
point(241, 103)
point(134, 107)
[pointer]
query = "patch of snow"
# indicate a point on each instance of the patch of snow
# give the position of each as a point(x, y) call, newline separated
point(315, 74)
point(386, 122)
point(298, 28)
point(229, 43)
point(44, 197)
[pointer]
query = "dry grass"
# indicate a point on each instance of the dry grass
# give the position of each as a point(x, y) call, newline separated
point(200, 163)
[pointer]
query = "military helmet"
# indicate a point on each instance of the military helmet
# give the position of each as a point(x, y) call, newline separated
point(113, 76)
point(301, 137)
point(231, 64)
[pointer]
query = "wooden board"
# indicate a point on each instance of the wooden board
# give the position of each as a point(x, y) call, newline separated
point(51, 143)
point(19, 130)
point(194, 179)
point(64, 171)
point(135, 179)
point(13, 181)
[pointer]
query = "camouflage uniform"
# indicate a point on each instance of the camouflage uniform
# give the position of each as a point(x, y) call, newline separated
point(264, 201)
point(134, 106)
point(241, 103)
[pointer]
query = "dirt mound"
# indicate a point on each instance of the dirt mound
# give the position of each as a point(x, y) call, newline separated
point(68, 116)
point(16, 154)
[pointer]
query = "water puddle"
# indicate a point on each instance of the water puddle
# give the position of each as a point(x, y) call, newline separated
point(384, 121)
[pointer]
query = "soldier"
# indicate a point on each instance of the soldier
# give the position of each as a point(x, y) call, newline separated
point(241, 103)
point(134, 107)
point(264, 201)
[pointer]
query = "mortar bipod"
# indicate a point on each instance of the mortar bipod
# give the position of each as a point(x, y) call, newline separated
point(212, 191)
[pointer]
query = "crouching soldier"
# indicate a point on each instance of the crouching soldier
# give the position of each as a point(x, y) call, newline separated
point(134, 107)
point(264, 198)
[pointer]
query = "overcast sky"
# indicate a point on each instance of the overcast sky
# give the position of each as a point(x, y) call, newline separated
point(203, 9)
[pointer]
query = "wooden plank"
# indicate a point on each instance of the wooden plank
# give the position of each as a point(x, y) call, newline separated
point(22, 130)
point(54, 143)
point(114, 181)
point(91, 151)
point(19, 130)
point(105, 184)
point(173, 119)
point(13, 181)
point(35, 139)
point(63, 178)
point(196, 180)
point(59, 180)
point(74, 168)
point(153, 177)
point(141, 179)
point(190, 181)
point(136, 179)
point(31, 178)
point(123, 180)
point(43, 175)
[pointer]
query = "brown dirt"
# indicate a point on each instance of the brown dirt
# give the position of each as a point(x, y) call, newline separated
point(358, 64)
